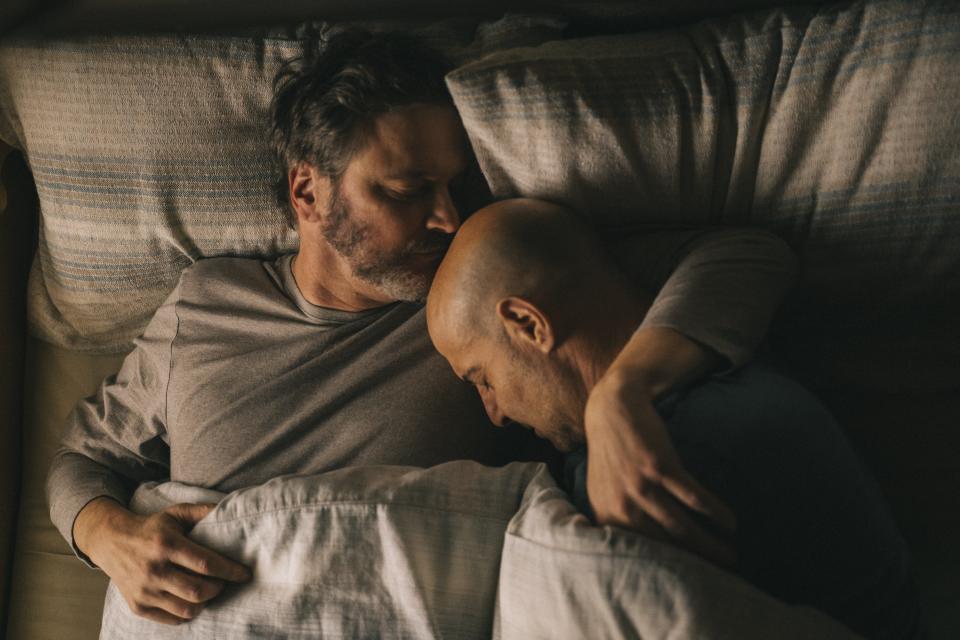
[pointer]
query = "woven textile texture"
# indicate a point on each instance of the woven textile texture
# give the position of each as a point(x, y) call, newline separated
point(836, 128)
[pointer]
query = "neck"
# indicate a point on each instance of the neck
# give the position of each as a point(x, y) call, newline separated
point(623, 309)
point(326, 280)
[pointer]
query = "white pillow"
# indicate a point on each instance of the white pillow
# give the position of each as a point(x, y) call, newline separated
point(834, 127)
point(562, 578)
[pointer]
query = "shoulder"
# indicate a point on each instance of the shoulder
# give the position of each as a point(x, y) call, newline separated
point(225, 268)
point(215, 282)
point(209, 273)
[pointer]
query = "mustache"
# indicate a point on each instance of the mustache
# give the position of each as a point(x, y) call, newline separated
point(431, 242)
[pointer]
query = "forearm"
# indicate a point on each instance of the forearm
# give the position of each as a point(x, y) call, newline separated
point(661, 359)
point(74, 483)
point(116, 439)
point(724, 292)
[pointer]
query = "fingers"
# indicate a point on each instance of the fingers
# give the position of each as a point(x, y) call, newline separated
point(647, 507)
point(689, 492)
point(163, 575)
point(190, 587)
point(189, 514)
point(197, 558)
point(682, 528)
point(156, 615)
point(165, 608)
point(637, 520)
point(205, 562)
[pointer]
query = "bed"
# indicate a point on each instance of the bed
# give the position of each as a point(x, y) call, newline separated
point(128, 156)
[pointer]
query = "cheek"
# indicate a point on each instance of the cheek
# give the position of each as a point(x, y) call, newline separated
point(538, 393)
point(389, 225)
point(396, 223)
point(515, 394)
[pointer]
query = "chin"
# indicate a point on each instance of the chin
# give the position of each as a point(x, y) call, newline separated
point(556, 439)
point(567, 439)
point(407, 285)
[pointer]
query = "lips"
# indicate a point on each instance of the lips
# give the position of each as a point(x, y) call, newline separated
point(430, 257)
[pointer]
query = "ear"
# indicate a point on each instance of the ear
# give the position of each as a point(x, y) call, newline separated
point(309, 192)
point(526, 324)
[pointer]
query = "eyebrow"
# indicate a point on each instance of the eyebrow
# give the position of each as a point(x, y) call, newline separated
point(468, 376)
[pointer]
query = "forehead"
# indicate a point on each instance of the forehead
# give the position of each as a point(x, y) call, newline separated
point(416, 141)
point(449, 339)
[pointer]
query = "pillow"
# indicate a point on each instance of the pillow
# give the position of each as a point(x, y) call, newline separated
point(371, 552)
point(835, 128)
point(561, 578)
point(149, 153)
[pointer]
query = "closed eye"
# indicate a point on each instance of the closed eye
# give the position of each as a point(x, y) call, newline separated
point(471, 377)
point(404, 195)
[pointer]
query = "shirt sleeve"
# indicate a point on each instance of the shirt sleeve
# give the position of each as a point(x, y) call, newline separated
point(718, 287)
point(117, 439)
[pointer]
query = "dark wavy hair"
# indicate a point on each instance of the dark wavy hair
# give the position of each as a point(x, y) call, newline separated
point(324, 101)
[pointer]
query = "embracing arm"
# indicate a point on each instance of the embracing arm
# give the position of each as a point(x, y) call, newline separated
point(719, 292)
point(719, 289)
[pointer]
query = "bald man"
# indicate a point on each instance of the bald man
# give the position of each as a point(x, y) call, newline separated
point(528, 307)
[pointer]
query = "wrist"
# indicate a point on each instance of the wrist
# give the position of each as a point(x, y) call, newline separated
point(614, 397)
point(93, 523)
point(629, 379)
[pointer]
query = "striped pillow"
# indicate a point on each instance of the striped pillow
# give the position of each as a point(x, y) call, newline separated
point(149, 153)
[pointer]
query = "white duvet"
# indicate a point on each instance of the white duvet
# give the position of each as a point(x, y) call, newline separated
point(455, 551)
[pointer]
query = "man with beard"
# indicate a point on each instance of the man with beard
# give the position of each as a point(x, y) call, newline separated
point(320, 360)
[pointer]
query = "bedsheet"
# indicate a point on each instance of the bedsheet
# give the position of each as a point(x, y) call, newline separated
point(455, 551)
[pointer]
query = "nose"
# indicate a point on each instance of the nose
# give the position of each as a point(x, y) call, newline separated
point(444, 215)
point(496, 416)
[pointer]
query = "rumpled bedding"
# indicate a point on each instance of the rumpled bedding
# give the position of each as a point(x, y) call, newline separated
point(455, 551)
point(834, 127)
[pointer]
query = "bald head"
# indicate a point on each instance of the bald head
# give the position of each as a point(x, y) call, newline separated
point(532, 249)
point(512, 307)
point(520, 306)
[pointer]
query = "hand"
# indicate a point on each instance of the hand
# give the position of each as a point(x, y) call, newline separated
point(163, 575)
point(634, 476)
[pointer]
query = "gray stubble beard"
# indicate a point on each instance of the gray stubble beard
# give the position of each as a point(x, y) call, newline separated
point(389, 274)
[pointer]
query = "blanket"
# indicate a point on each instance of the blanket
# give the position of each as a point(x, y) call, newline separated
point(455, 551)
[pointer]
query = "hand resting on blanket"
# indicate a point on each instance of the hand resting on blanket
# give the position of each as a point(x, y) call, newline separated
point(163, 575)
point(459, 550)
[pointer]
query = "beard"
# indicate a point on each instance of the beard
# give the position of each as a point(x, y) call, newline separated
point(391, 273)
point(551, 399)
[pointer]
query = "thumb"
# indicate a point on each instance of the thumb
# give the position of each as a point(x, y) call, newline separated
point(187, 515)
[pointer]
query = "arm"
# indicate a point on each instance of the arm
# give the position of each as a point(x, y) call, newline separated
point(720, 290)
point(115, 440)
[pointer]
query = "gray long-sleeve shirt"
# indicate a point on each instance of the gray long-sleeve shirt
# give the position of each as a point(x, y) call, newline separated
point(238, 378)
